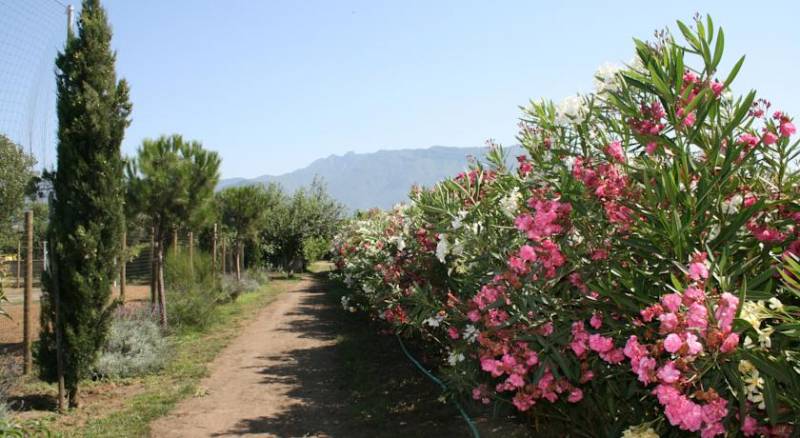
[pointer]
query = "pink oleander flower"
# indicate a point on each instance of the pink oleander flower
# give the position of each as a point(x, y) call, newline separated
point(673, 343)
point(614, 149)
point(651, 147)
point(474, 315)
point(769, 138)
point(668, 373)
point(693, 345)
point(523, 401)
point(596, 321)
point(515, 380)
point(452, 332)
point(730, 343)
point(693, 295)
point(786, 129)
point(749, 139)
point(669, 322)
point(600, 343)
point(527, 253)
point(717, 87)
point(726, 310)
point(697, 317)
point(749, 426)
point(575, 395)
point(671, 301)
point(698, 271)
point(689, 119)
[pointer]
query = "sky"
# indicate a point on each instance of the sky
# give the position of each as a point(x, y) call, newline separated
point(273, 85)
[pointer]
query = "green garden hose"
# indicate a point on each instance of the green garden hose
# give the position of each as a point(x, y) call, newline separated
point(469, 421)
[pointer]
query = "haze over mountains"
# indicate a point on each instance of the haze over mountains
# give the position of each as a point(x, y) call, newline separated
point(379, 179)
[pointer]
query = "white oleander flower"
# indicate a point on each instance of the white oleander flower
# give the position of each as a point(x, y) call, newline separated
point(459, 219)
point(606, 78)
point(434, 321)
point(470, 333)
point(732, 204)
point(453, 358)
point(509, 204)
point(570, 111)
point(640, 431)
point(775, 304)
point(442, 248)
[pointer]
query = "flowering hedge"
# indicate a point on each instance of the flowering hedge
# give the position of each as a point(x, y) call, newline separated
point(625, 277)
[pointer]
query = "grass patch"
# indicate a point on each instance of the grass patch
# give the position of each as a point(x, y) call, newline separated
point(155, 395)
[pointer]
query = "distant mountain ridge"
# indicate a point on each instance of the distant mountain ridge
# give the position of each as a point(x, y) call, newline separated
point(380, 179)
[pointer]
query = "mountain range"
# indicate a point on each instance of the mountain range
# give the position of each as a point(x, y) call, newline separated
point(380, 179)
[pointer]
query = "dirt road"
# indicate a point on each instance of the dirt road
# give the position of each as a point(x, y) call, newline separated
point(273, 380)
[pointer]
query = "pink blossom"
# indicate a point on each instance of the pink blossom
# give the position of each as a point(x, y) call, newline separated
point(730, 343)
point(726, 310)
point(546, 329)
point(689, 119)
point(748, 139)
point(712, 430)
point(671, 301)
point(644, 369)
point(453, 333)
point(669, 322)
point(523, 401)
point(787, 129)
point(614, 149)
point(717, 87)
point(668, 373)
point(515, 380)
point(673, 343)
point(692, 294)
point(749, 426)
point(596, 321)
point(697, 317)
point(600, 344)
point(693, 345)
point(474, 315)
point(491, 366)
point(575, 395)
point(527, 253)
point(651, 147)
point(769, 138)
point(698, 271)
point(613, 356)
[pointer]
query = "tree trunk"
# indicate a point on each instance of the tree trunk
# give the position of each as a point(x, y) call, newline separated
point(238, 259)
point(153, 268)
point(123, 266)
point(162, 299)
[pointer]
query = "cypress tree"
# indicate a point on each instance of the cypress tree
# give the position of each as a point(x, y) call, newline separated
point(87, 205)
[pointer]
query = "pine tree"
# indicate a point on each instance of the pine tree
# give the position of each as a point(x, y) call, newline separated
point(87, 205)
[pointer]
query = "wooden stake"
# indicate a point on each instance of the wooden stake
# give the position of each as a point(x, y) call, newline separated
point(123, 265)
point(190, 236)
point(27, 340)
point(19, 263)
point(214, 250)
point(153, 283)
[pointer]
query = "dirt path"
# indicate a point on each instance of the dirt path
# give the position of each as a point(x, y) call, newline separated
point(273, 380)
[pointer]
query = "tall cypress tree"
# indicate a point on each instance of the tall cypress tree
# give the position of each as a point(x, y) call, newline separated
point(87, 205)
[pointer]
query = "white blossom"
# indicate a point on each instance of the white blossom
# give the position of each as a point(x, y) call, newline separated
point(470, 333)
point(732, 204)
point(606, 78)
point(775, 304)
point(459, 219)
point(442, 248)
point(570, 110)
point(640, 431)
point(510, 203)
point(453, 358)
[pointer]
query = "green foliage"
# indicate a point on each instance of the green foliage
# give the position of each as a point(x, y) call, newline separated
point(194, 290)
point(135, 345)
point(93, 111)
point(251, 280)
point(15, 175)
point(315, 248)
point(308, 213)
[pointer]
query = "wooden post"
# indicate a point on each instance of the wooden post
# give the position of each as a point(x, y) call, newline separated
point(62, 402)
point(214, 250)
point(224, 260)
point(123, 262)
point(190, 237)
point(27, 340)
point(153, 284)
point(19, 263)
point(175, 241)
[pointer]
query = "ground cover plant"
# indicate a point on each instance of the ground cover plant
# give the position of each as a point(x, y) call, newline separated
point(632, 276)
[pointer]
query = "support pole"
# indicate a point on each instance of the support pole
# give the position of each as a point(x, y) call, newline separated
point(19, 263)
point(190, 236)
point(214, 250)
point(62, 400)
point(153, 283)
point(123, 262)
point(27, 340)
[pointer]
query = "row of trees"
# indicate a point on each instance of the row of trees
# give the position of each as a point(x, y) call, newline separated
point(167, 188)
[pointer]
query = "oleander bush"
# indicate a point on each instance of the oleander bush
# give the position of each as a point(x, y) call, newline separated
point(633, 275)
point(135, 346)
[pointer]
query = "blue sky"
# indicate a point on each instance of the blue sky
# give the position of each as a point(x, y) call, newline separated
point(274, 85)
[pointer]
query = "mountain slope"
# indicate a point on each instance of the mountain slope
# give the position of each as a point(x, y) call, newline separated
point(380, 179)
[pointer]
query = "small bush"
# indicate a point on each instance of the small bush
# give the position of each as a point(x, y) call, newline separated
point(316, 248)
point(251, 280)
point(7, 373)
point(193, 291)
point(135, 345)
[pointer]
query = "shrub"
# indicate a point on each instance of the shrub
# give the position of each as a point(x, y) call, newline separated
point(194, 291)
point(252, 279)
point(315, 248)
point(135, 345)
point(8, 373)
point(622, 279)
